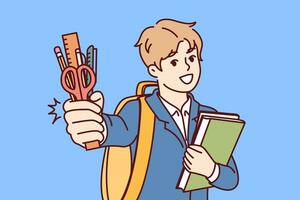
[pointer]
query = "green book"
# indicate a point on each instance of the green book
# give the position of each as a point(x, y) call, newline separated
point(218, 133)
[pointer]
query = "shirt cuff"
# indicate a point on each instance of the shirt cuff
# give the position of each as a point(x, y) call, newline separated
point(215, 174)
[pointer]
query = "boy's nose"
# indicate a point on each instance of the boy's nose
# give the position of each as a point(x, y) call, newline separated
point(188, 66)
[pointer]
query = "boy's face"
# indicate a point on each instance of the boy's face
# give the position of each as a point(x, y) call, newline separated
point(181, 71)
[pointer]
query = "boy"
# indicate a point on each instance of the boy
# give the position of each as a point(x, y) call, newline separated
point(171, 51)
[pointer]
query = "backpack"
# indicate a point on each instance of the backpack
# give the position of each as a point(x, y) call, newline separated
point(120, 177)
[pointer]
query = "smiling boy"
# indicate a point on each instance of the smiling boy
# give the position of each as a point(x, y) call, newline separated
point(171, 51)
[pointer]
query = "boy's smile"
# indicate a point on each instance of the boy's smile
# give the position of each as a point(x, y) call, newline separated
point(186, 79)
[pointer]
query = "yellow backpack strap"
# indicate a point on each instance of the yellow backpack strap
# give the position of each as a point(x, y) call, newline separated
point(140, 90)
point(143, 152)
point(114, 179)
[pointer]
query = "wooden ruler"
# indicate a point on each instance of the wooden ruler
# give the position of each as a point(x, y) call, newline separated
point(71, 43)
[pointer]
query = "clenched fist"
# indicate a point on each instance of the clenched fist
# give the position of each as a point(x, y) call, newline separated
point(84, 120)
point(197, 160)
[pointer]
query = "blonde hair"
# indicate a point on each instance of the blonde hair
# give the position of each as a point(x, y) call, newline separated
point(161, 40)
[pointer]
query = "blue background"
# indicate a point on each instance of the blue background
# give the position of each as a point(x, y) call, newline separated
point(251, 66)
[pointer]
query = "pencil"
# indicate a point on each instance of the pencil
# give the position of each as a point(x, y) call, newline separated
point(62, 64)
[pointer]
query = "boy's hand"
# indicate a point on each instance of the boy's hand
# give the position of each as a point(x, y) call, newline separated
point(198, 161)
point(84, 120)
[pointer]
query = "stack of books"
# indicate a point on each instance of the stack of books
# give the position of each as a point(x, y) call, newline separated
point(218, 133)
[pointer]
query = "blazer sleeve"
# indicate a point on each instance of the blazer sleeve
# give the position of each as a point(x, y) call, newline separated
point(122, 129)
point(228, 178)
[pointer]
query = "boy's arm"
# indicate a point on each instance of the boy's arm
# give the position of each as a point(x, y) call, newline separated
point(197, 160)
point(121, 129)
point(228, 176)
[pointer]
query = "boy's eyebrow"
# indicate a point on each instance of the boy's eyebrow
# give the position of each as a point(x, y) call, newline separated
point(172, 53)
point(190, 50)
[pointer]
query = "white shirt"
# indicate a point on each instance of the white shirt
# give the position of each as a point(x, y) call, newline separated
point(181, 118)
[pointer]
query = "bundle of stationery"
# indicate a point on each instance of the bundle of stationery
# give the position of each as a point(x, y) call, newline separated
point(79, 73)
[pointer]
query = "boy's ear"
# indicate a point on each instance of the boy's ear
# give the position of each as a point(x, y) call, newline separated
point(153, 71)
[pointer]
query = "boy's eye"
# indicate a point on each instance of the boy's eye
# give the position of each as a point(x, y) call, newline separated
point(192, 58)
point(174, 62)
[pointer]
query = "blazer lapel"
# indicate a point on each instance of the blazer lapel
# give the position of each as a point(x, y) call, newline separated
point(194, 111)
point(163, 115)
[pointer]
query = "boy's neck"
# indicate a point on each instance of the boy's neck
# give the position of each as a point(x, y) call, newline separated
point(177, 99)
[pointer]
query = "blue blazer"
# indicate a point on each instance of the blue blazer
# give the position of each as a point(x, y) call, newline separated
point(167, 151)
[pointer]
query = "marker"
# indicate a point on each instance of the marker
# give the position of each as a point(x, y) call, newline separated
point(79, 61)
point(78, 56)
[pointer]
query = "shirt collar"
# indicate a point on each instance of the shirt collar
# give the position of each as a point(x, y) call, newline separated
point(173, 110)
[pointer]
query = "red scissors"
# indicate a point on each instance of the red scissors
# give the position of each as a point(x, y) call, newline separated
point(79, 88)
